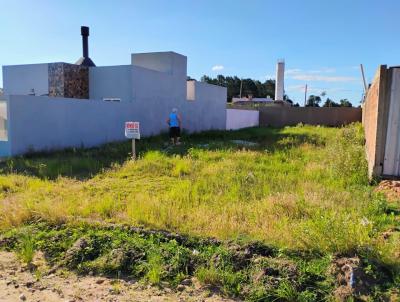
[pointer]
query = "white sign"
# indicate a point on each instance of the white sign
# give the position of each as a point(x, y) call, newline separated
point(132, 130)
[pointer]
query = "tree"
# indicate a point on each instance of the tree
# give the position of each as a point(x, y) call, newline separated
point(250, 87)
point(313, 101)
point(287, 99)
point(330, 103)
point(345, 103)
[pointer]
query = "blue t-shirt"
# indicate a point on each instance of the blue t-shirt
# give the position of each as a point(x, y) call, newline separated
point(173, 120)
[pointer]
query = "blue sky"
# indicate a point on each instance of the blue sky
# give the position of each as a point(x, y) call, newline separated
point(323, 42)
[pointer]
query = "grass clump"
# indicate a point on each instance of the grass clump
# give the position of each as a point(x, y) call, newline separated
point(26, 248)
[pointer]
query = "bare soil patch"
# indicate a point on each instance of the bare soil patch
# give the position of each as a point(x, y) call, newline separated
point(21, 283)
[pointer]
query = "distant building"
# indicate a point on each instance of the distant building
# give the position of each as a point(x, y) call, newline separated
point(258, 102)
point(251, 99)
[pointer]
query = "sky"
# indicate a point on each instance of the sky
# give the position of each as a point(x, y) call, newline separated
point(322, 42)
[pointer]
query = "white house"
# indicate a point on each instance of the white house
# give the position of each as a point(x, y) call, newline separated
point(58, 105)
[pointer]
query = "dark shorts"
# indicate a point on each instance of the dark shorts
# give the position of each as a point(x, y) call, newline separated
point(174, 132)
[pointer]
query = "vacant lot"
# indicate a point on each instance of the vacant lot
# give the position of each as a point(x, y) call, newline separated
point(302, 189)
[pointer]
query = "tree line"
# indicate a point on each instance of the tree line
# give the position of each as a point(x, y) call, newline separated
point(315, 100)
point(258, 89)
point(250, 87)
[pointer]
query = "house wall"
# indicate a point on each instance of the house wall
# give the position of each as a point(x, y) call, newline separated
point(111, 82)
point(238, 119)
point(20, 79)
point(149, 84)
point(167, 62)
point(164, 72)
point(208, 109)
point(153, 94)
point(149, 88)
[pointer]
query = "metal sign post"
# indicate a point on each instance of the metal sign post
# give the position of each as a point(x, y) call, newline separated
point(132, 131)
point(134, 149)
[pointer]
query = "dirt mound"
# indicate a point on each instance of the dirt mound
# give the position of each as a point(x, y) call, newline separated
point(352, 279)
point(391, 188)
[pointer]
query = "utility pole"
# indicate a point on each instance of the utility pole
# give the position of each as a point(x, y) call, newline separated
point(241, 85)
point(305, 96)
point(363, 77)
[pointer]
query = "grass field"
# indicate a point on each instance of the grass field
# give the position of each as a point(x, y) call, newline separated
point(299, 188)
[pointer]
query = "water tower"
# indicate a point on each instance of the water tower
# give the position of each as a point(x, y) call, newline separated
point(280, 79)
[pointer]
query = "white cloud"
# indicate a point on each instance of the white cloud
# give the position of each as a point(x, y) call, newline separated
point(292, 71)
point(323, 70)
point(297, 88)
point(322, 78)
point(317, 75)
point(217, 67)
point(315, 90)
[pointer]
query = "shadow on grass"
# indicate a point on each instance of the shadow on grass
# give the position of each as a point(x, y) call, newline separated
point(83, 163)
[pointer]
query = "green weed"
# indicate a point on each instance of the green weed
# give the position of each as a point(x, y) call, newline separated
point(26, 249)
point(155, 268)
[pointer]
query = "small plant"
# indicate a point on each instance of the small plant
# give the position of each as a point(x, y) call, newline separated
point(286, 292)
point(38, 274)
point(116, 287)
point(208, 276)
point(26, 250)
point(155, 268)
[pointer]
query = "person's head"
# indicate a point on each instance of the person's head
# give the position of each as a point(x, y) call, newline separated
point(174, 110)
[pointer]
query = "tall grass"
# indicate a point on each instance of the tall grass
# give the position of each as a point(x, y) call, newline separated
point(301, 187)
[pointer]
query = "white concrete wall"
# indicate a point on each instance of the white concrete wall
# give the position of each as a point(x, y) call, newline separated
point(148, 84)
point(111, 82)
point(237, 119)
point(50, 123)
point(167, 62)
point(21, 79)
point(43, 123)
point(208, 109)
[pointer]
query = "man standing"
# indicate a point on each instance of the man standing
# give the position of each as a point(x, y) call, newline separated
point(174, 122)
